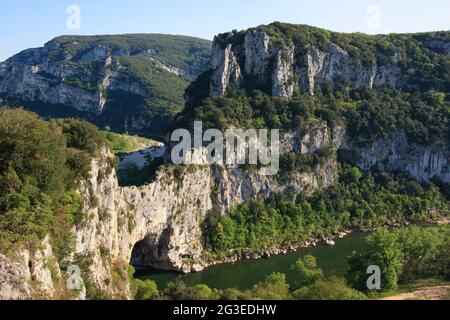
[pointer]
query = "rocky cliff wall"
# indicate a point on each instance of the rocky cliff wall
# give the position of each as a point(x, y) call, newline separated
point(260, 60)
point(397, 153)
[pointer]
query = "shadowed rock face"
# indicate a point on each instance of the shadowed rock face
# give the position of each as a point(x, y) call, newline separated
point(33, 76)
point(227, 69)
point(396, 153)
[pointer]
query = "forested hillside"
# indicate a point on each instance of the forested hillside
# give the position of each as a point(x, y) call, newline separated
point(130, 83)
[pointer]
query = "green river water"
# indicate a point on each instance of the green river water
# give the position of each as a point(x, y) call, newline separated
point(243, 275)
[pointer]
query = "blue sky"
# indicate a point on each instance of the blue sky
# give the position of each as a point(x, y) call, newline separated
point(26, 23)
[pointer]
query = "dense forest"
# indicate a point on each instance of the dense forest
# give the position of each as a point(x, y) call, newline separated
point(368, 114)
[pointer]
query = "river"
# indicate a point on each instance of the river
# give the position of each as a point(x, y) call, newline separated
point(245, 274)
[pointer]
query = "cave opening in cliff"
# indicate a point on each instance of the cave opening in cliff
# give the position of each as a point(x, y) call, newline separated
point(142, 254)
point(146, 256)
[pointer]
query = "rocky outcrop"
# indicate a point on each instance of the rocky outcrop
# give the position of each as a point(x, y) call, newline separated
point(159, 224)
point(66, 84)
point(279, 67)
point(164, 217)
point(397, 153)
point(283, 73)
point(325, 67)
point(226, 70)
point(14, 280)
point(34, 274)
point(264, 63)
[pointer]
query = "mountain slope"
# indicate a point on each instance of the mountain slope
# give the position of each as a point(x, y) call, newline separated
point(389, 92)
point(127, 82)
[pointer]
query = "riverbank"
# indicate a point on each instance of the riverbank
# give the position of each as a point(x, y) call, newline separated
point(246, 273)
point(248, 255)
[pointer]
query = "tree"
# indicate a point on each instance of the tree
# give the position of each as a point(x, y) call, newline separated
point(330, 289)
point(146, 290)
point(382, 251)
point(352, 175)
point(201, 292)
point(308, 271)
point(273, 288)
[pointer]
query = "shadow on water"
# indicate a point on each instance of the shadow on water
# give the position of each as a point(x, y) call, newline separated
point(243, 275)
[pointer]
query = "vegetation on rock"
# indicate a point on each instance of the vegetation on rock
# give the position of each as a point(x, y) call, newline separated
point(41, 164)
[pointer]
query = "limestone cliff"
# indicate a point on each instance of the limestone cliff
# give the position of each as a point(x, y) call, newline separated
point(281, 58)
point(397, 153)
point(263, 62)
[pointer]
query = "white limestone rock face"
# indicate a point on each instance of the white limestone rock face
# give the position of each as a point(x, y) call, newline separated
point(226, 70)
point(14, 280)
point(283, 73)
point(274, 67)
point(396, 153)
point(315, 62)
point(32, 275)
point(159, 224)
point(257, 49)
point(29, 84)
point(261, 60)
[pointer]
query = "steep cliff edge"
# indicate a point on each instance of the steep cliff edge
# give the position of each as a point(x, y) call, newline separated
point(160, 224)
